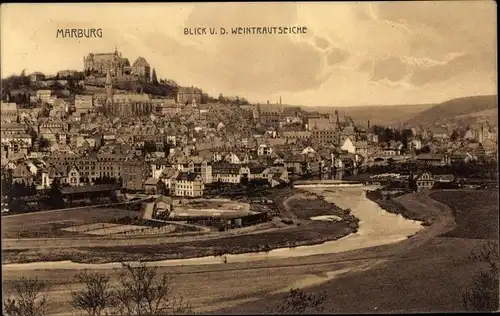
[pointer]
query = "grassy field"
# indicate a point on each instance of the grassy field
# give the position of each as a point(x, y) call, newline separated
point(49, 224)
point(429, 279)
point(305, 234)
point(476, 212)
point(307, 206)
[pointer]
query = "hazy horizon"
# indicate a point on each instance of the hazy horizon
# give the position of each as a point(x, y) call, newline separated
point(354, 54)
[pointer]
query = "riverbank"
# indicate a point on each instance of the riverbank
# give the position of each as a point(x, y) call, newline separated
point(295, 229)
point(425, 273)
point(392, 205)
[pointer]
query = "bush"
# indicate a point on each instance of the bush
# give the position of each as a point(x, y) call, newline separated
point(482, 294)
point(28, 299)
point(141, 291)
point(298, 302)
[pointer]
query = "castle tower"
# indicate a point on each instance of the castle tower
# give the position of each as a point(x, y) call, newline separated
point(109, 90)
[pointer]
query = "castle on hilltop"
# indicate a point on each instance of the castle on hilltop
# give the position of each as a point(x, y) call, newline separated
point(118, 66)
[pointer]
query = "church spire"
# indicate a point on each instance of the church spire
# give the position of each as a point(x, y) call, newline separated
point(109, 89)
point(108, 78)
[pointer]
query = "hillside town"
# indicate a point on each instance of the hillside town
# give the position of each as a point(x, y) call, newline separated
point(113, 123)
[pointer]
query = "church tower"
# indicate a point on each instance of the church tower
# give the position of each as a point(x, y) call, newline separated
point(109, 91)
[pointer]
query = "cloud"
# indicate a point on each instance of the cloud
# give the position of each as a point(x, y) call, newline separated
point(353, 53)
point(336, 55)
point(391, 68)
point(322, 42)
point(439, 72)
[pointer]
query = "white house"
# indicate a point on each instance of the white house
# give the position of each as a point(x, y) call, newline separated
point(348, 146)
point(308, 150)
point(264, 149)
point(469, 135)
point(234, 158)
point(416, 143)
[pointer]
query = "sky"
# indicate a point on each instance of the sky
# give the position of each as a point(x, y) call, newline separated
point(365, 53)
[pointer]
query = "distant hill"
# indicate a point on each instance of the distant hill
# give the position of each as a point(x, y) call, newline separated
point(460, 109)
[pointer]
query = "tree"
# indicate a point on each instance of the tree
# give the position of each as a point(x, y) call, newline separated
point(154, 80)
point(28, 299)
point(221, 98)
point(97, 296)
point(6, 181)
point(162, 188)
point(425, 150)
point(149, 146)
point(454, 135)
point(43, 142)
point(298, 302)
point(54, 195)
point(244, 101)
point(482, 294)
point(143, 292)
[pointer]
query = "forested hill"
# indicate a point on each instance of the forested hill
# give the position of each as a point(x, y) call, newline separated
point(456, 109)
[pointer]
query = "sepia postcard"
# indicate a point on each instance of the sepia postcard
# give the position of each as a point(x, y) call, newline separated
point(249, 158)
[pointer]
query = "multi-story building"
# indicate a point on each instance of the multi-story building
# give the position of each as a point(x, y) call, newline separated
point(9, 112)
point(131, 104)
point(188, 184)
point(102, 62)
point(224, 172)
point(84, 104)
point(15, 139)
point(66, 174)
point(54, 131)
point(190, 95)
point(89, 167)
point(319, 124)
point(424, 180)
point(110, 165)
point(270, 114)
point(297, 134)
point(141, 69)
point(264, 150)
point(37, 76)
point(44, 96)
point(134, 173)
point(325, 136)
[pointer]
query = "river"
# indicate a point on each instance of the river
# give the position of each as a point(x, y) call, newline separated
point(376, 227)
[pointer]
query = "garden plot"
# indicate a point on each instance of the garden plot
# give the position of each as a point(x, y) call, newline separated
point(150, 231)
point(117, 229)
point(88, 227)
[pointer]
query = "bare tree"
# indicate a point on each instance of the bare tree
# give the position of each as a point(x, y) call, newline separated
point(144, 292)
point(27, 300)
point(97, 297)
point(483, 293)
point(298, 302)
